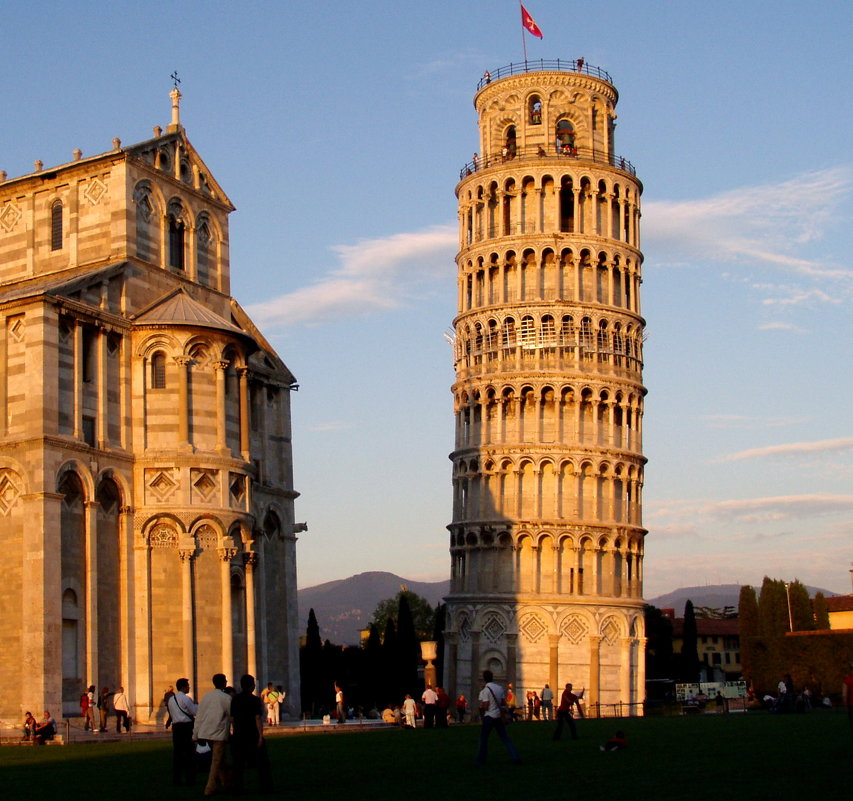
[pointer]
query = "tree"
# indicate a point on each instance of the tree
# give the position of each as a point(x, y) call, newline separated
point(438, 636)
point(659, 647)
point(821, 612)
point(802, 616)
point(747, 626)
point(408, 650)
point(311, 666)
point(689, 649)
point(423, 615)
point(772, 608)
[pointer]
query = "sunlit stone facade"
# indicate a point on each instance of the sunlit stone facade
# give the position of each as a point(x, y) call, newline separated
point(546, 541)
point(146, 489)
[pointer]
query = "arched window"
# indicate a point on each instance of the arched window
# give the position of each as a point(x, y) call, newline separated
point(176, 236)
point(566, 138)
point(158, 370)
point(509, 143)
point(535, 110)
point(56, 226)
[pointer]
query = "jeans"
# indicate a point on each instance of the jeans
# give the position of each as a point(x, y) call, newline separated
point(490, 723)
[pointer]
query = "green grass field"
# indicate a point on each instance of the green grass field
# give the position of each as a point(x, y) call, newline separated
point(729, 757)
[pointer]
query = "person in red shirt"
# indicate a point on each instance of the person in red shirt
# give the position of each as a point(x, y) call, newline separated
point(565, 713)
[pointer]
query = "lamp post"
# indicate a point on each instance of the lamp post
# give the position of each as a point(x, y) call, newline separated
point(428, 653)
point(788, 595)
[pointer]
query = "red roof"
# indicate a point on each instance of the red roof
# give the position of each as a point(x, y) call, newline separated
point(840, 603)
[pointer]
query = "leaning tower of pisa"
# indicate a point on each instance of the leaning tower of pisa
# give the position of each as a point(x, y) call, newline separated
point(546, 541)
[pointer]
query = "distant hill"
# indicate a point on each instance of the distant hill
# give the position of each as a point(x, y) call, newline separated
point(345, 606)
point(715, 595)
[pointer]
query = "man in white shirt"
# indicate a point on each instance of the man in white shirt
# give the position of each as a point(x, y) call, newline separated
point(182, 710)
point(212, 724)
point(430, 698)
point(491, 700)
point(122, 707)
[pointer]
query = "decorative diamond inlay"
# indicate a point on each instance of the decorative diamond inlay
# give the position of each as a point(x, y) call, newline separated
point(94, 191)
point(574, 629)
point(9, 216)
point(8, 493)
point(205, 485)
point(464, 626)
point(610, 631)
point(16, 330)
point(494, 628)
point(162, 486)
point(532, 627)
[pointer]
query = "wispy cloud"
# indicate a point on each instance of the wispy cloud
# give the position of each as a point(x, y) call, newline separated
point(791, 449)
point(372, 275)
point(765, 226)
point(747, 421)
point(698, 514)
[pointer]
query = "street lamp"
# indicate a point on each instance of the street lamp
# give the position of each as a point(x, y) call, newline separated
point(788, 594)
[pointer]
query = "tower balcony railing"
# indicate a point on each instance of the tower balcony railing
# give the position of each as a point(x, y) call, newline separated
point(578, 65)
point(527, 155)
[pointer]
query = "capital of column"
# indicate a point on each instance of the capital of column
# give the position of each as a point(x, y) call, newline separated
point(250, 559)
point(186, 554)
point(226, 554)
point(182, 361)
point(221, 365)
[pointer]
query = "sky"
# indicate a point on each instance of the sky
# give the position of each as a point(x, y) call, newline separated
point(338, 130)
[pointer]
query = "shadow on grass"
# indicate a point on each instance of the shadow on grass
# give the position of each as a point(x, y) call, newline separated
point(738, 757)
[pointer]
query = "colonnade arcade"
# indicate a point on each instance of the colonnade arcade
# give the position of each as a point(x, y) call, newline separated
point(604, 277)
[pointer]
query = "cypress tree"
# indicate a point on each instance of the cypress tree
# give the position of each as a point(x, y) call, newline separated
point(821, 612)
point(689, 647)
point(747, 627)
point(310, 663)
point(391, 689)
point(408, 650)
point(772, 608)
point(438, 636)
point(372, 675)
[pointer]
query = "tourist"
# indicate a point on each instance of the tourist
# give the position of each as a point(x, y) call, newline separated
point(461, 707)
point(565, 713)
point(547, 702)
point(104, 707)
point(410, 711)
point(430, 698)
point(442, 706)
point(492, 698)
point(122, 707)
point(247, 743)
point(46, 730)
point(212, 725)
point(617, 742)
point(340, 712)
point(30, 725)
point(91, 703)
point(182, 712)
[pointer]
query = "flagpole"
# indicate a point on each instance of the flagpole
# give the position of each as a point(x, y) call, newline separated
point(523, 40)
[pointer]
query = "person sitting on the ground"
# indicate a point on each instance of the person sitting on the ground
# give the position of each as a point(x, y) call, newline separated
point(46, 730)
point(616, 743)
point(388, 715)
point(30, 725)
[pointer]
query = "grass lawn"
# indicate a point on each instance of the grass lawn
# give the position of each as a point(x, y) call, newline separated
point(730, 757)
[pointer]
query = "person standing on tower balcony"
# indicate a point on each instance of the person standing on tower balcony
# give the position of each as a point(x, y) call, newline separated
point(492, 698)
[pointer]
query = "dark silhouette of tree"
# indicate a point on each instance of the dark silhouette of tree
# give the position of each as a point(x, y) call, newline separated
point(821, 612)
point(311, 666)
point(422, 614)
point(802, 616)
point(772, 608)
point(689, 662)
point(391, 691)
point(438, 636)
point(372, 668)
point(659, 662)
point(747, 627)
point(408, 650)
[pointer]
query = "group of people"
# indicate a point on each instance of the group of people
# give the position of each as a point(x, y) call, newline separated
point(92, 703)
point(224, 717)
point(39, 732)
point(273, 698)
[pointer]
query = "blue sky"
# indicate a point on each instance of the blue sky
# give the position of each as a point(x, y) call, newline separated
point(338, 130)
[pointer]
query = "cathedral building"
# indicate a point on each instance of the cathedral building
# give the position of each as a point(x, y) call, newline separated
point(146, 483)
point(547, 537)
